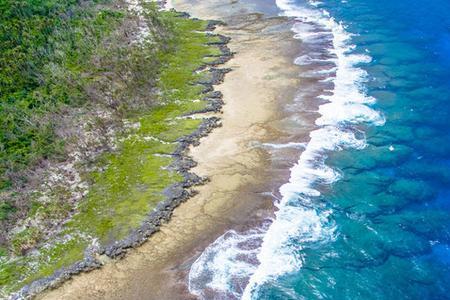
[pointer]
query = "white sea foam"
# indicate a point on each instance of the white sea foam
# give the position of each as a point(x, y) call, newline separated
point(285, 146)
point(299, 219)
point(225, 266)
point(305, 60)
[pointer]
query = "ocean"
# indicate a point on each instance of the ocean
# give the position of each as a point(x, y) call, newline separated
point(366, 211)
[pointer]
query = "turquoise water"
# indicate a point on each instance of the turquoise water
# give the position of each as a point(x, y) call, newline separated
point(366, 214)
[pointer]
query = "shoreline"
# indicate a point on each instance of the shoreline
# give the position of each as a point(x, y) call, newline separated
point(95, 257)
point(236, 169)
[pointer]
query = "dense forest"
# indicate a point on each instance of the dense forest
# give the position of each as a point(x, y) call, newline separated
point(44, 65)
point(90, 98)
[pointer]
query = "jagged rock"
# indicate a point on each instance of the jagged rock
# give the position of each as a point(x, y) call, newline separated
point(213, 24)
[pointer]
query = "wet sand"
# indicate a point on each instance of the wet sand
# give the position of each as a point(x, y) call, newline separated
point(242, 174)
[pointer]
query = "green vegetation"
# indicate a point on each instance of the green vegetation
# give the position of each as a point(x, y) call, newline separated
point(5, 210)
point(77, 58)
point(131, 186)
point(45, 51)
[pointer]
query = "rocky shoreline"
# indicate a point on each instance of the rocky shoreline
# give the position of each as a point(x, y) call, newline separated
point(174, 194)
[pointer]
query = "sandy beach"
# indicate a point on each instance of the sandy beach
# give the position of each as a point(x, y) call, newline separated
point(242, 174)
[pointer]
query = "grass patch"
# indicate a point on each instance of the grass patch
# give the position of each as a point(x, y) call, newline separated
point(5, 210)
point(132, 185)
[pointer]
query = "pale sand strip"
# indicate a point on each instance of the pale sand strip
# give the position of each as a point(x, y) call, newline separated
point(262, 80)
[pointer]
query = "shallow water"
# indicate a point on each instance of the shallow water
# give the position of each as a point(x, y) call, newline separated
point(366, 213)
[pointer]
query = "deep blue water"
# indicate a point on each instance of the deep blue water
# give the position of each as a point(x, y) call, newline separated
point(391, 207)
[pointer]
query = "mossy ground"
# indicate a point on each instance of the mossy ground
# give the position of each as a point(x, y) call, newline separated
point(132, 179)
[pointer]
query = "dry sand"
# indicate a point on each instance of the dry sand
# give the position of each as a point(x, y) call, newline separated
point(263, 80)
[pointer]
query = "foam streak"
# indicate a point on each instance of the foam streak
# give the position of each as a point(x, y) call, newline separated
point(300, 220)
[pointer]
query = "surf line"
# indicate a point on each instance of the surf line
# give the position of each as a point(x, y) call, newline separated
point(238, 264)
